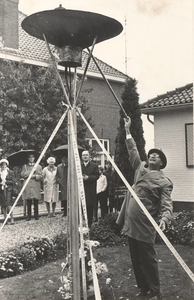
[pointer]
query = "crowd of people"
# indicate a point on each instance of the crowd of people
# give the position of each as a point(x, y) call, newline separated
point(53, 180)
point(151, 186)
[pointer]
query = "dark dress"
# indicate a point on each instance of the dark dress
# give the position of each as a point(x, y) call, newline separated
point(6, 193)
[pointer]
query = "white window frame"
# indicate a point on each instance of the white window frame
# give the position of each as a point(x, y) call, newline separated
point(101, 156)
point(189, 145)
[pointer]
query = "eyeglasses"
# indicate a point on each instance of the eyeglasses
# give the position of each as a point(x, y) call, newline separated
point(154, 155)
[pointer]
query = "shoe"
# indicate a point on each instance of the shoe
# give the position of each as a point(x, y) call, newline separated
point(28, 219)
point(53, 215)
point(36, 218)
point(142, 293)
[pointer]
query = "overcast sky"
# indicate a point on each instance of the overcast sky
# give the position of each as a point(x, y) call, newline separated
point(156, 41)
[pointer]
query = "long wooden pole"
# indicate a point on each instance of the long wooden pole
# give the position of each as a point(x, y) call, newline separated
point(108, 84)
point(56, 70)
point(74, 209)
point(86, 68)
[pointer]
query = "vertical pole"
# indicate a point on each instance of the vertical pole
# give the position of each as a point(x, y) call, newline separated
point(74, 210)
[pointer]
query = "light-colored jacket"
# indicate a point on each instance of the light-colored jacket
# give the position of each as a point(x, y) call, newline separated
point(101, 184)
point(51, 188)
point(154, 190)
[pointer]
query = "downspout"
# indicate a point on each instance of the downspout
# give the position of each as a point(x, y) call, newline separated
point(148, 117)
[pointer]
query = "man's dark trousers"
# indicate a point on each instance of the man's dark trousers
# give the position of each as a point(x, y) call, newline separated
point(90, 209)
point(143, 256)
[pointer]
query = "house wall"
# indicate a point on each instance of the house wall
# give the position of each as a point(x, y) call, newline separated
point(104, 109)
point(169, 134)
point(9, 23)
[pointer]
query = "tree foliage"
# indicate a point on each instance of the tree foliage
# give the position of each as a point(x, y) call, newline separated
point(31, 103)
point(130, 103)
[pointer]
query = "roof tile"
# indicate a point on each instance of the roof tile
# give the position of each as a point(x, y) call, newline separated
point(178, 96)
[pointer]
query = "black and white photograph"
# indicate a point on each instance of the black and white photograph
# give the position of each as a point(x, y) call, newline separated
point(96, 150)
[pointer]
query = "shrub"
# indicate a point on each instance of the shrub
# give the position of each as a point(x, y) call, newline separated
point(34, 250)
point(30, 255)
point(107, 232)
point(10, 265)
point(60, 241)
point(181, 229)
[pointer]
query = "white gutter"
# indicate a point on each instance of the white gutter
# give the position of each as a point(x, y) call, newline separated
point(153, 110)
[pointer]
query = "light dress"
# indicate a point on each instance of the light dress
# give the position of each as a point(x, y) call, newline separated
point(50, 186)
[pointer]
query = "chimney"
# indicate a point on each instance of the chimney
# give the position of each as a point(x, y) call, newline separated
point(9, 32)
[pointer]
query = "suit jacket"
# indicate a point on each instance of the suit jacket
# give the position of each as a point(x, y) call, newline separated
point(154, 190)
point(90, 185)
point(61, 178)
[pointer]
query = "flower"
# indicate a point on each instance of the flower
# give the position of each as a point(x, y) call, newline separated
point(101, 268)
point(94, 243)
point(108, 280)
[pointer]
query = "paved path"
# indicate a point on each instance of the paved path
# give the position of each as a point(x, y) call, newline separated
point(18, 212)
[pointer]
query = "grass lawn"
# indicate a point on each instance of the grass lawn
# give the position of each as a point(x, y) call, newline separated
point(43, 283)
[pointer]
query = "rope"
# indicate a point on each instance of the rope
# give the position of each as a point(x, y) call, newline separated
point(36, 165)
point(167, 242)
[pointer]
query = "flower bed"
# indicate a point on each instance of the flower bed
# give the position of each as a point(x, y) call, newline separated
point(27, 245)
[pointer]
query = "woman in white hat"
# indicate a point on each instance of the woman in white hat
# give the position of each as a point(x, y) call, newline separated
point(51, 188)
point(7, 182)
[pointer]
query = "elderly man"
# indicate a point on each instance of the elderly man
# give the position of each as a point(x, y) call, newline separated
point(154, 190)
point(90, 175)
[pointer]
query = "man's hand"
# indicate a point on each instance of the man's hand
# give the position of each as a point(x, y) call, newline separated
point(85, 177)
point(127, 124)
point(162, 225)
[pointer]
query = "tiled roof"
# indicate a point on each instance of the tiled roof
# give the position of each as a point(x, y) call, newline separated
point(35, 49)
point(177, 97)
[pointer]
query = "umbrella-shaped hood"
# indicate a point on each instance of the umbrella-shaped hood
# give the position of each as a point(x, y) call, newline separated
point(63, 150)
point(20, 157)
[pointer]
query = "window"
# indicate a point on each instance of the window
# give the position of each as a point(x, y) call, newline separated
point(100, 156)
point(189, 145)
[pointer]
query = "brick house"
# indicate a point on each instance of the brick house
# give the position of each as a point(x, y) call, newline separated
point(173, 133)
point(17, 45)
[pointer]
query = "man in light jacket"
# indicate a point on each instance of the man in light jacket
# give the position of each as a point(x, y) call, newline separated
point(32, 192)
point(154, 190)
